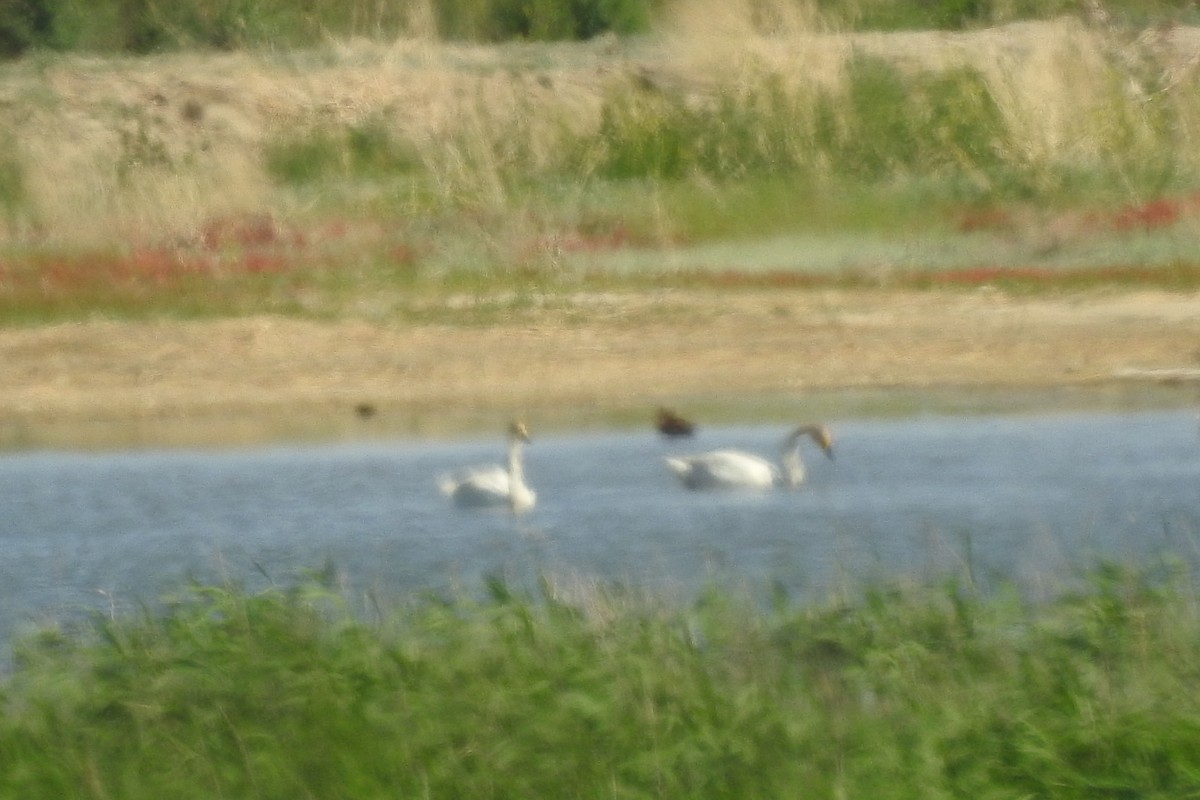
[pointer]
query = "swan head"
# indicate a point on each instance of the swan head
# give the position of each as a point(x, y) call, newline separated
point(820, 435)
point(824, 440)
point(518, 432)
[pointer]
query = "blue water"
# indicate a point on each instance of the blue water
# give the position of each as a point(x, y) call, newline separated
point(1031, 499)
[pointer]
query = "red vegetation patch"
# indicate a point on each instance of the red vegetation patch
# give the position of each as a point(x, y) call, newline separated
point(403, 255)
point(979, 276)
point(771, 279)
point(1149, 216)
point(1152, 215)
point(617, 237)
point(260, 263)
point(335, 230)
point(146, 266)
point(985, 219)
point(225, 263)
point(252, 231)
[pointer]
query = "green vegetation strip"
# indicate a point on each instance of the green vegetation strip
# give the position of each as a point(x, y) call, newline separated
point(594, 692)
point(142, 26)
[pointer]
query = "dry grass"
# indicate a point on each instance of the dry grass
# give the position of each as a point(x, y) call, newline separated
point(149, 149)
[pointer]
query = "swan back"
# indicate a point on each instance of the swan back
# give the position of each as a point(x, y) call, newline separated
point(477, 487)
point(723, 469)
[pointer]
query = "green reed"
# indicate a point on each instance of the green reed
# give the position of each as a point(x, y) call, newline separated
point(591, 691)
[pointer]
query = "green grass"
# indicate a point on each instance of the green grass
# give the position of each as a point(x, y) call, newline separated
point(596, 692)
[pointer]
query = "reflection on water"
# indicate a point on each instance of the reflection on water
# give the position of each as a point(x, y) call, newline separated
point(1032, 498)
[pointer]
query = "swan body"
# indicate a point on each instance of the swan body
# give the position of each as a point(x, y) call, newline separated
point(493, 485)
point(734, 469)
point(720, 469)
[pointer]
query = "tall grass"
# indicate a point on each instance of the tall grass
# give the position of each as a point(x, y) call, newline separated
point(904, 692)
point(544, 158)
point(12, 180)
point(1010, 116)
point(880, 125)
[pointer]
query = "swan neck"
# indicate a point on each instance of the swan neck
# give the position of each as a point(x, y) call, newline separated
point(520, 496)
point(792, 466)
point(516, 469)
point(811, 431)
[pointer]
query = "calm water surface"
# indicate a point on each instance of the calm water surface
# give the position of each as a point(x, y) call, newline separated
point(1034, 498)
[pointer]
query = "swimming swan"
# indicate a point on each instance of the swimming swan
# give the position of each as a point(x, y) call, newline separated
point(492, 485)
point(734, 469)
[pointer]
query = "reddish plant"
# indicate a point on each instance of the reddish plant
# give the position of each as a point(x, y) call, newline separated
point(403, 254)
point(985, 219)
point(976, 276)
point(247, 232)
point(1153, 215)
point(336, 229)
point(261, 263)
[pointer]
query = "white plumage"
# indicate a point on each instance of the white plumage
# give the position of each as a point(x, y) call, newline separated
point(493, 485)
point(734, 469)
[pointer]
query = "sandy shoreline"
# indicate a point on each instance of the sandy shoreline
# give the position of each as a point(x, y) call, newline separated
point(613, 351)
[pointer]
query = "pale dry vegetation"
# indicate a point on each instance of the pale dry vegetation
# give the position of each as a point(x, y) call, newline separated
point(119, 152)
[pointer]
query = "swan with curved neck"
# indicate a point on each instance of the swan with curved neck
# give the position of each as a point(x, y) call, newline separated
point(735, 469)
point(493, 485)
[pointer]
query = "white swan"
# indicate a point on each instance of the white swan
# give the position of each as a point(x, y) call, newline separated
point(734, 469)
point(492, 485)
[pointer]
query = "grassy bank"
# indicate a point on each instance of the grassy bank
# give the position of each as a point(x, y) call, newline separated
point(592, 692)
point(312, 181)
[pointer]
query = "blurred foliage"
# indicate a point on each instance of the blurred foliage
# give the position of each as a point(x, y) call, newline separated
point(367, 151)
point(884, 124)
point(926, 123)
point(887, 692)
point(144, 26)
